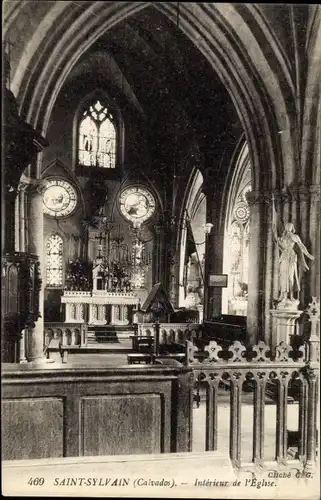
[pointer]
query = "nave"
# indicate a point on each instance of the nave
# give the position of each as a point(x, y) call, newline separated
point(161, 232)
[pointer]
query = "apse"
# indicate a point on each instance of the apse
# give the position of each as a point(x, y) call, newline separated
point(131, 125)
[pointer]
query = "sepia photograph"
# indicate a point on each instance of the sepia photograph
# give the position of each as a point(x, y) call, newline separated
point(160, 229)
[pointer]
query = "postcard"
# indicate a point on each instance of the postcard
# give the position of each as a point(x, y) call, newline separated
point(161, 250)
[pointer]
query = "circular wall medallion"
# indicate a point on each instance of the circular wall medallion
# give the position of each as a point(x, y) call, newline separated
point(59, 199)
point(137, 204)
point(242, 212)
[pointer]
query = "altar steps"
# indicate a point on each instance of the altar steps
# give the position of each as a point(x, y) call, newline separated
point(108, 338)
point(124, 346)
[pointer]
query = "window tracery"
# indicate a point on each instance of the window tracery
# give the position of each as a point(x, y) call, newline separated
point(97, 137)
point(54, 267)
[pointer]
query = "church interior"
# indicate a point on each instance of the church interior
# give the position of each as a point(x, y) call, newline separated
point(161, 230)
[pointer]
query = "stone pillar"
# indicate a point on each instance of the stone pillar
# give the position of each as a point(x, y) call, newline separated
point(208, 298)
point(312, 375)
point(112, 314)
point(256, 267)
point(20, 236)
point(125, 315)
point(9, 220)
point(158, 263)
point(301, 200)
point(23, 358)
point(271, 255)
point(213, 263)
point(17, 223)
point(22, 218)
point(314, 238)
point(35, 246)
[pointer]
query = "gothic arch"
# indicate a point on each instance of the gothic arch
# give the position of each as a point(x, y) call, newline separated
point(240, 163)
point(226, 34)
point(194, 198)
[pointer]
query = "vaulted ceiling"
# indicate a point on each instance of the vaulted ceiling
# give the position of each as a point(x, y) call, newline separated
point(178, 66)
point(152, 69)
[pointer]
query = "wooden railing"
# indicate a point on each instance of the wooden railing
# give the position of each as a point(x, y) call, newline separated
point(262, 371)
point(67, 334)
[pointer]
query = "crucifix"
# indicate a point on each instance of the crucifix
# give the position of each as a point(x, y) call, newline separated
point(100, 238)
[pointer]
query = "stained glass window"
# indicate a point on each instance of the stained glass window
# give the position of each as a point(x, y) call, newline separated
point(54, 260)
point(60, 198)
point(97, 137)
point(141, 261)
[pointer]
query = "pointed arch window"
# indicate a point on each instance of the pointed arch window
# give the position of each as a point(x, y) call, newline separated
point(54, 268)
point(97, 137)
point(237, 236)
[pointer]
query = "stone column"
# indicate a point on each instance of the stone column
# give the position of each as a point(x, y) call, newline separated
point(17, 223)
point(21, 247)
point(22, 218)
point(158, 264)
point(213, 263)
point(113, 314)
point(271, 255)
point(23, 358)
point(9, 219)
point(314, 237)
point(300, 202)
point(256, 267)
point(35, 246)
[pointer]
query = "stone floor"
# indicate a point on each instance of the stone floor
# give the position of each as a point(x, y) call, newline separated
point(96, 360)
point(246, 426)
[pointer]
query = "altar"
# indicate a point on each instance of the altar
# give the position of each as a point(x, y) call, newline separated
point(99, 307)
point(108, 287)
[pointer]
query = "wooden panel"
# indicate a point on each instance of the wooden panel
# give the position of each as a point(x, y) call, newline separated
point(32, 428)
point(128, 423)
point(144, 409)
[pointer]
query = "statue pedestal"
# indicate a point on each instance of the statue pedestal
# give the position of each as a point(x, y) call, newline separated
point(283, 321)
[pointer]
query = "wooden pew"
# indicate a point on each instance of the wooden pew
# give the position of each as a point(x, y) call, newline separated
point(225, 329)
point(142, 344)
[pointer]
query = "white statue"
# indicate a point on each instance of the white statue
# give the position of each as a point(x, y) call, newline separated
point(290, 248)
